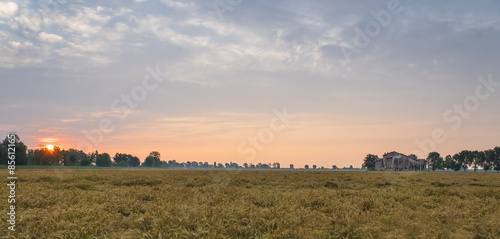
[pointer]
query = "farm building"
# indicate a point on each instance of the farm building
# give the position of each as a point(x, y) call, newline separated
point(398, 162)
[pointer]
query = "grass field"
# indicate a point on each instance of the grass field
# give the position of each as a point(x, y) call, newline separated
point(140, 203)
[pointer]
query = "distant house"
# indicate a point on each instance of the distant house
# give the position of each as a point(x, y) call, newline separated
point(395, 161)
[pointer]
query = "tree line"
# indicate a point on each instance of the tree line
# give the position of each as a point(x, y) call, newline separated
point(486, 160)
point(75, 157)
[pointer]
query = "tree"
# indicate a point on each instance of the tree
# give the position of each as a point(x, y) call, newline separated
point(120, 158)
point(73, 157)
point(155, 154)
point(126, 160)
point(134, 161)
point(334, 167)
point(306, 167)
point(489, 159)
point(458, 161)
point(265, 166)
point(153, 160)
point(245, 165)
point(496, 161)
point(103, 160)
point(369, 161)
point(314, 166)
point(45, 156)
point(467, 159)
point(435, 161)
point(89, 159)
point(174, 164)
point(21, 158)
point(481, 160)
point(448, 162)
point(413, 156)
point(291, 166)
point(475, 160)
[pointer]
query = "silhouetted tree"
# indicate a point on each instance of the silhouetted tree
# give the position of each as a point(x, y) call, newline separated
point(496, 162)
point(134, 161)
point(314, 166)
point(435, 161)
point(265, 166)
point(153, 160)
point(291, 166)
point(306, 167)
point(118, 158)
point(448, 162)
point(21, 157)
point(489, 159)
point(126, 160)
point(369, 161)
point(155, 154)
point(474, 161)
point(458, 161)
point(480, 160)
point(467, 159)
point(89, 159)
point(45, 156)
point(73, 157)
point(103, 160)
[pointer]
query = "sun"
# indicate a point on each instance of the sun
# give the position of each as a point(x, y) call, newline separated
point(50, 147)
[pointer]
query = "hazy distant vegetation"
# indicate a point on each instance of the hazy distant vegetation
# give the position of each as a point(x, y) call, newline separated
point(485, 160)
point(75, 157)
point(465, 159)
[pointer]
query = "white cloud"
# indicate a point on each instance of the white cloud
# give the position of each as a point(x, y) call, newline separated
point(8, 9)
point(122, 11)
point(49, 37)
point(175, 4)
point(29, 20)
point(16, 44)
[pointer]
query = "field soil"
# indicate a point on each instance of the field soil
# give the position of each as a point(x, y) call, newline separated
point(142, 203)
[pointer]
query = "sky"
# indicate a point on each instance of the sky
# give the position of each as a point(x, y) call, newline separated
point(297, 82)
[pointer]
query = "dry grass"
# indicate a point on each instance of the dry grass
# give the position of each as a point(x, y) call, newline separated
point(254, 204)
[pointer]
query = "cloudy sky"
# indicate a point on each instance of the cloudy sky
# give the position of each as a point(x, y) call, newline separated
point(210, 80)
